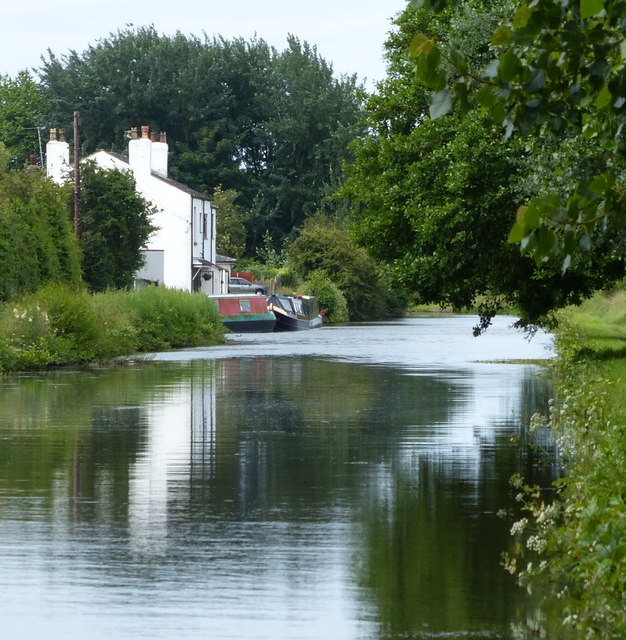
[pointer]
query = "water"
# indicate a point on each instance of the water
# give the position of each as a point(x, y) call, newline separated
point(341, 483)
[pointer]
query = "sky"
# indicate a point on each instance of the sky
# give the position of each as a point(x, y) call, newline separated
point(347, 33)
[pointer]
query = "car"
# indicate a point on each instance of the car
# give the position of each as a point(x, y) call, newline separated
point(237, 284)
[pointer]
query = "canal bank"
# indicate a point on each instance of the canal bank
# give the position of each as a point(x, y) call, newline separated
point(574, 548)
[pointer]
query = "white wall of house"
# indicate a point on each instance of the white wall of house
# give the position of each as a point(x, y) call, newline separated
point(186, 224)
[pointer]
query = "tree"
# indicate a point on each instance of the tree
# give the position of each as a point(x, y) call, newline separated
point(325, 247)
point(22, 114)
point(271, 125)
point(435, 198)
point(37, 243)
point(559, 71)
point(231, 231)
point(115, 224)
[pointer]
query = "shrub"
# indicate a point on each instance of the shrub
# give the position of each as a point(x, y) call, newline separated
point(329, 297)
point(59, 325)
point(323, 246)
point(168, 318)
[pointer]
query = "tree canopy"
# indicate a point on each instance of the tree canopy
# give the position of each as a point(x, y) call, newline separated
point(557, 70)
point(22, 113)
point(327, 249)
point(273, 126)
point(436, 197)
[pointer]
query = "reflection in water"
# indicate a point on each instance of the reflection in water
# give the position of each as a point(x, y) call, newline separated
point(285, 496)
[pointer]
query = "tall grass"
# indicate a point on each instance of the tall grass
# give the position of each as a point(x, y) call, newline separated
point(59, 325)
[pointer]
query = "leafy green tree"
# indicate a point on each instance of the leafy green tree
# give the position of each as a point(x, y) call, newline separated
point(271, 125)
point(324, 247)
point(22, 114)
point(558, 70)
point(114, 225)
point(435, 198)
point(37, 243)
point(231, 231)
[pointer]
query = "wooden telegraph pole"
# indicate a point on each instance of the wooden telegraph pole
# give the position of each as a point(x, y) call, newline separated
point(77, 173)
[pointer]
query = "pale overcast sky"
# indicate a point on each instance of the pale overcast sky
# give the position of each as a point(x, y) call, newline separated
point(348, 33)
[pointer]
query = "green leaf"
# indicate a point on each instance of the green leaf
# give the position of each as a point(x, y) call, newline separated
point(440, 104)
point(521, 17)
point(589, 8)
point(509, 66)
point(486, 97)
point(421, 45)
point(599, 185)
point(501, 36)
point(537, 81)
point(604, 98)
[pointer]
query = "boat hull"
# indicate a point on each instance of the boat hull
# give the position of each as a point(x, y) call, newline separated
point(245, 313)
point(295, 313)
point(288, 323)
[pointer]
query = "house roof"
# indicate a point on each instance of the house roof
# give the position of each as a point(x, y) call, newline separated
point(174, 183)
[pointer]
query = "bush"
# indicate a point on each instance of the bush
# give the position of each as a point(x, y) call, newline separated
point(59, 325)
point(329, 297)
point(323, 246)
point(168, 318)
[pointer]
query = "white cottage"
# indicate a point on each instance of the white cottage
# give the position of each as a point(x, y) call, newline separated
point(181, 254)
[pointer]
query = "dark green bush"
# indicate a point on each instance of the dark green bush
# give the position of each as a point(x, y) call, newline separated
point(329, 297)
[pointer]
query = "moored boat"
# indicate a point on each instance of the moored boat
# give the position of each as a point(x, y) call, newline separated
point(294, 313)
point(245, 313)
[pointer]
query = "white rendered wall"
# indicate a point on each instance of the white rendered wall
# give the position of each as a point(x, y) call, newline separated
point(58, 161)
point(173, 235)
point(172, 219)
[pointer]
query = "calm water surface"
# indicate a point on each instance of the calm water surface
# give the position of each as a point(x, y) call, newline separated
point(341, 483)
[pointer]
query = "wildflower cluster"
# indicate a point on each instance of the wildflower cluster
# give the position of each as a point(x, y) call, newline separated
point(573, 547)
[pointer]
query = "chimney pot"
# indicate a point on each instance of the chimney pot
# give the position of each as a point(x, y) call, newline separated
point(145, 131)
point(163, 137)
point(134, 134)
point(62, 135)
point(53, 135)
point(153, 136)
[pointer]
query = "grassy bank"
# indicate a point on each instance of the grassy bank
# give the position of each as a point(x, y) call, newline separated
point(575, 547)
point(61, 326)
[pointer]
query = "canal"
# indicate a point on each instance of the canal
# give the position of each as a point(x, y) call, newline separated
point(342, 483)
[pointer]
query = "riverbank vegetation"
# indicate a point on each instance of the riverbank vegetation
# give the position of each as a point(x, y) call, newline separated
point(60, 325)
point(573, 547)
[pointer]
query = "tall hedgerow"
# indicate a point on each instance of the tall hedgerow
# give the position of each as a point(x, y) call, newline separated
point(37, 243)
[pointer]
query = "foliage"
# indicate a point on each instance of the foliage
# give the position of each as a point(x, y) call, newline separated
point(573, 548)
point(327, 248)
point(169, 318)
point(558, 70)
point(37, 243)
point(272, 126)
point(114, 225)
point(329, 297)
point(60, 325)
point(22, 113)
point(435, 198)
point(231, 231)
